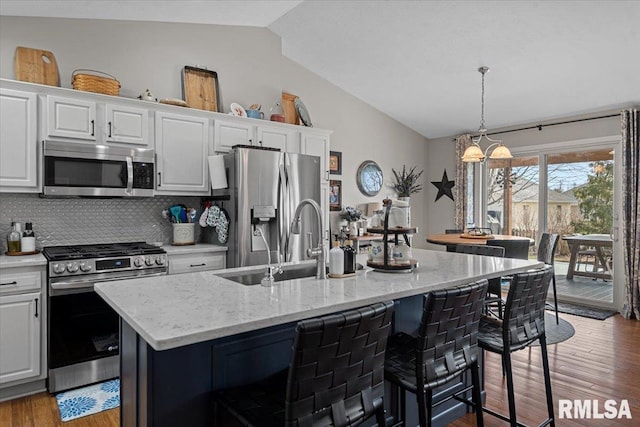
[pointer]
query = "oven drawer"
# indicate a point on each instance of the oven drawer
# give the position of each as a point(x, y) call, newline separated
point(15, 283)
point(189, 263)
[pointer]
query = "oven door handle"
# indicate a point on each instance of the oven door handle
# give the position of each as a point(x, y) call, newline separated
point(129, 175)
point(71, 285)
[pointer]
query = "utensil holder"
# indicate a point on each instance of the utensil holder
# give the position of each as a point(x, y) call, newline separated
point(183, 234)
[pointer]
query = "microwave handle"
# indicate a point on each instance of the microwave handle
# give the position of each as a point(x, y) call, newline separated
point(129, 174)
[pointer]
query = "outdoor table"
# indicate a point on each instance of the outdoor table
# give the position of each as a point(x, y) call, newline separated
point(598, 242)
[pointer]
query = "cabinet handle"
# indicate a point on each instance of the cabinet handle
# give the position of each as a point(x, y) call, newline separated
point(250, 141)
point(93, 128)
point(198, 265)
point(159, 179)
point(109, 129)
point(36, 307)
point(9, 283)
point(260, 142)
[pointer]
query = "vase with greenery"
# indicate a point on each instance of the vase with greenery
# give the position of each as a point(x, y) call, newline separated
point(406, 182)
point(351, 215)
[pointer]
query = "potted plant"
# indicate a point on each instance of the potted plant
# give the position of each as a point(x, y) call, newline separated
point(351, 215)
point(406, 182)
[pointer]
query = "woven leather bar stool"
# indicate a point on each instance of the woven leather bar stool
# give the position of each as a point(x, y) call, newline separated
point(546, 253)
point(494, 290)
point(335, 377)
point(445, 348)
point(522, 324)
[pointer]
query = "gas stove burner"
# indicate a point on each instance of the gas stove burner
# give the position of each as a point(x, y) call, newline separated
point(71, 252)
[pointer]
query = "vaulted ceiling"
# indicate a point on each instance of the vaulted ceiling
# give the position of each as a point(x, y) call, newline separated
point(417, 61)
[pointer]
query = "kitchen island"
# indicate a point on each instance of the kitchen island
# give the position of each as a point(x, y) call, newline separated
point(184, 335)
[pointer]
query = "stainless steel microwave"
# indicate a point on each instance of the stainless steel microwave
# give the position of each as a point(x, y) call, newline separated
point(76, 169)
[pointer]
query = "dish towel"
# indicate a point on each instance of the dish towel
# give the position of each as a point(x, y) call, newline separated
point(89, 400)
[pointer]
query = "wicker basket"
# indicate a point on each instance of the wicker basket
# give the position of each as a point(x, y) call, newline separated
point(97, 84)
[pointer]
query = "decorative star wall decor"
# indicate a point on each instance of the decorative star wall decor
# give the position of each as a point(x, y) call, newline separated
point(444, 186)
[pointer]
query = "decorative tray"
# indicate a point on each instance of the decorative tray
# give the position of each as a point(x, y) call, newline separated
point(482, 237)
point(22, 253)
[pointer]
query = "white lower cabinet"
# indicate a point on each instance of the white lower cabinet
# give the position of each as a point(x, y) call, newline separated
point(182, 146)
point(201, 257)
point(22, 330)
point(20, 336)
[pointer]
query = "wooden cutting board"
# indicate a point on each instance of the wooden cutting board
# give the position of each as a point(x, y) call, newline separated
point(200, 89)
point(289, 108)
point(36, 66)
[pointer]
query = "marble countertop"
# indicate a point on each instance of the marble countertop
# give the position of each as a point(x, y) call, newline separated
point(11, 261)
point(177, 310)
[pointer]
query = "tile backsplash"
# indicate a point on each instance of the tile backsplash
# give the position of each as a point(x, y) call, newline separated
point(91, 220)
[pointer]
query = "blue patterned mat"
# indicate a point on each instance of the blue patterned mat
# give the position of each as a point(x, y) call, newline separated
point(89, 400)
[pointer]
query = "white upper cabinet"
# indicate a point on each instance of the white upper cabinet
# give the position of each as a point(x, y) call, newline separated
point(18, 141)
point(182, 146)
point(247, 132)
point(127, 125)
point(80, 119)
point(71, 118)
point(228, 134)
point(316, 143)
point(283, 138)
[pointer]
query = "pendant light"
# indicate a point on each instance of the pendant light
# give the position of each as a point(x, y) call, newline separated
point(474, 152)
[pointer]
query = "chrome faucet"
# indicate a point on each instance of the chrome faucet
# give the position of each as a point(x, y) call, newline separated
point(318, 251)
point(268, 278)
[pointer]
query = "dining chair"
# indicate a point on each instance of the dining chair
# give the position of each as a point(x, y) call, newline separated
point(444, 349)
point(522, 325)
point(512, 248)
point(546, 253)
point(494, 289)
point(452, 248)
point(335, 376)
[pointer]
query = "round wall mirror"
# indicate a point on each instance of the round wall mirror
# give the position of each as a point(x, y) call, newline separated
point(369, 178)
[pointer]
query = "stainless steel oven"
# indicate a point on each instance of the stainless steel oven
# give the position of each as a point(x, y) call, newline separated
point(76, 169)
point(83, 334)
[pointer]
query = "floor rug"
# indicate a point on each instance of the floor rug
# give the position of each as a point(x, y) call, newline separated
point(580, 310)
point(89, 400)
point(556, 332)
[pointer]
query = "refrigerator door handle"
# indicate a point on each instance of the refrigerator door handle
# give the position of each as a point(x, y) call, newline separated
point(290, 212)
point(283, 225)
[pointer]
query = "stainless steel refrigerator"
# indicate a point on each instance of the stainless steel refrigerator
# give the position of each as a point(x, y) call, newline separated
point(265, 188)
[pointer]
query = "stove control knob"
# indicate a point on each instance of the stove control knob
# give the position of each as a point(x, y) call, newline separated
point(58, 268)
point(85, 267)
point(150, 260)
point(160, 260)
point(139, 261)
point(72, 267)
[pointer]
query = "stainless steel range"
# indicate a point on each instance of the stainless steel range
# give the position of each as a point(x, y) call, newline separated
point(83, 335)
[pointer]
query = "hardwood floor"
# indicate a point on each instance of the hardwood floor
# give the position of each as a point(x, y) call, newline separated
point(600, 362)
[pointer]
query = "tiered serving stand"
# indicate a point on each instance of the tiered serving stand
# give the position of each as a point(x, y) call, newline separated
point(385, 265)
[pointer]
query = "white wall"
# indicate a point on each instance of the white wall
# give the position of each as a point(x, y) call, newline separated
point(250, 69)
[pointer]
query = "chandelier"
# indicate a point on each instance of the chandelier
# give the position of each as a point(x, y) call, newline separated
point(474, 152)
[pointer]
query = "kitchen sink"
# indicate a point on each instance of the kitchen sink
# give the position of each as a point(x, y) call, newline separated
point(255, 276)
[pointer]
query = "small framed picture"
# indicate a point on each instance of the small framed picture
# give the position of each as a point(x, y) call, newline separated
point(335, 162)
point(335, 195)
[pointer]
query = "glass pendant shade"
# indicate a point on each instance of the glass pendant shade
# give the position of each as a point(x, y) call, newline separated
point(473, 153)
point(501, 152)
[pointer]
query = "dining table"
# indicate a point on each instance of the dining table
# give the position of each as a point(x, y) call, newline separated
point(465, 239)
point(597, 241)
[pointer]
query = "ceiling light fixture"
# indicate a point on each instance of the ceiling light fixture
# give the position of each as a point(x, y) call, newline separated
point(474, 153)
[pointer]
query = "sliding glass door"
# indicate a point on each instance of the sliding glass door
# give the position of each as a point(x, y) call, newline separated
point(569, 192)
